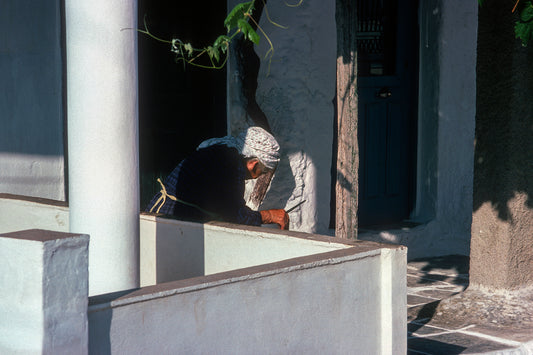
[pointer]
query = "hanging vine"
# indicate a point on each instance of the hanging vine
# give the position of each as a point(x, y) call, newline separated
point(524, 26)
point(215, 56)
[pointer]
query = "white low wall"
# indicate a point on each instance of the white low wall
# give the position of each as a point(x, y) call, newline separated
point(43, 293)
point(351, 300)
point(174, 250)
point(264, 290)
point(19, 213)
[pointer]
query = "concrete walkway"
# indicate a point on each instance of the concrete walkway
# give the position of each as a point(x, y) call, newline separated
point(446, 318)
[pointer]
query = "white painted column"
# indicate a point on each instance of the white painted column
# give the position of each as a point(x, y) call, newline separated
point(43, 293)
point(103, 138)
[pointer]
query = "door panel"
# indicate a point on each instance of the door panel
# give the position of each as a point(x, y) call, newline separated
point(387, 67)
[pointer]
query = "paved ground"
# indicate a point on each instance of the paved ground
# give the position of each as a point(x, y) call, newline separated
point(446, 318)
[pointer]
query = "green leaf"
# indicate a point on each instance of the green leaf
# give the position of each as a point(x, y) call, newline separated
point(174, 48)
point(527, 13)
point(523, 31)
point(188, 48)
point(237, 14)
point(213, 53)
point(222, 43)
point(524, 28)
point(248, 31)
point(480, 2)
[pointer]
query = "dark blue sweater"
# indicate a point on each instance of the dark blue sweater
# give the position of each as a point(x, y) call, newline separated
point(210, 185)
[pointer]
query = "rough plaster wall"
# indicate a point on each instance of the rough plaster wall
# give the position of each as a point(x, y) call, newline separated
point(301, 84)
point(267, 311)
point(296, 91)
point(457, 94)
point(31, 123)
point(33, 175)
point(43, 293)
point(426, 187)
point(21, 324)
point(502, 227)
point(16, 215)
point(65, 292)
point(447, 79)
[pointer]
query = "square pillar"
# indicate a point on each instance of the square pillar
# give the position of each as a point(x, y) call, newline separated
point(43, 292)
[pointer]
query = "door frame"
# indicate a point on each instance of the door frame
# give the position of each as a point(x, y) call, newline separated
point(338, 181)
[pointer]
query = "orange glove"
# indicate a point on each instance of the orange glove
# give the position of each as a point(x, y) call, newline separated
point(280, 217)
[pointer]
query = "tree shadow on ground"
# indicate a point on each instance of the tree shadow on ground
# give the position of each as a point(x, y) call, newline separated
point(453, 269)
point(437, 271)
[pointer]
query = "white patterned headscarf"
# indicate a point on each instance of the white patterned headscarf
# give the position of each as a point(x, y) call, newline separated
point(255, 142)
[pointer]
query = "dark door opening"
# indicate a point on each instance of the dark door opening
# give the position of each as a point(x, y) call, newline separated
point(179, 106)
point(387, 89)
point(387, 52)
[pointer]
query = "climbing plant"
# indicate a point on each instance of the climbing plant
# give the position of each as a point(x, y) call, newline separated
point(524, 26)
point(238, 21)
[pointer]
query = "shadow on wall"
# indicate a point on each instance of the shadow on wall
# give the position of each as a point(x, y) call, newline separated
point(178, 255)
point(102, 319)
point(170, 251)
point(167, 254)
point(31, 69)
point(503, 166)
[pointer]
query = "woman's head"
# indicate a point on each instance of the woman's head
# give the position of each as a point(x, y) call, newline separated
point(258, 143)
point(255, 142)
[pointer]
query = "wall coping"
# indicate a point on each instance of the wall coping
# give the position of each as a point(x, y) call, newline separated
point(40, 200)
point(39, 235)
point(216, 225)
point(357, 250)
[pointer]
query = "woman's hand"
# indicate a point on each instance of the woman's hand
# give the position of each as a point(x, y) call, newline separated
point(280, 217)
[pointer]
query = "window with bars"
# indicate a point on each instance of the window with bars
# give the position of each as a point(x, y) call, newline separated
point(376, 37)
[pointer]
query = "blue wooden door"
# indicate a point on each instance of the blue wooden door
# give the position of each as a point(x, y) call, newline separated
point(387, 42)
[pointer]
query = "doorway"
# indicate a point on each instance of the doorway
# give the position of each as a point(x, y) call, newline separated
point(387, 62)
point(179, 105)
point(386, 33)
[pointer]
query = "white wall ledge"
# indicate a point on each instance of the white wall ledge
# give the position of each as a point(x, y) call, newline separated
point(43, 292)
point(345, 300)
point(363, 250)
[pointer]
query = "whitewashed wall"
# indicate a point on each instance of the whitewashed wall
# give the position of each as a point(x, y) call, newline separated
point(349, 301)
point(296, 90)
point(31, 99)
point(174, 250)
point(43, 293)
point(296, 95)
point(313, 294)
point(17, 214)
point(446, 125)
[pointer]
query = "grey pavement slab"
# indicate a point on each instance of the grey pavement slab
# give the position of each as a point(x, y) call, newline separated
point(445, 317)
